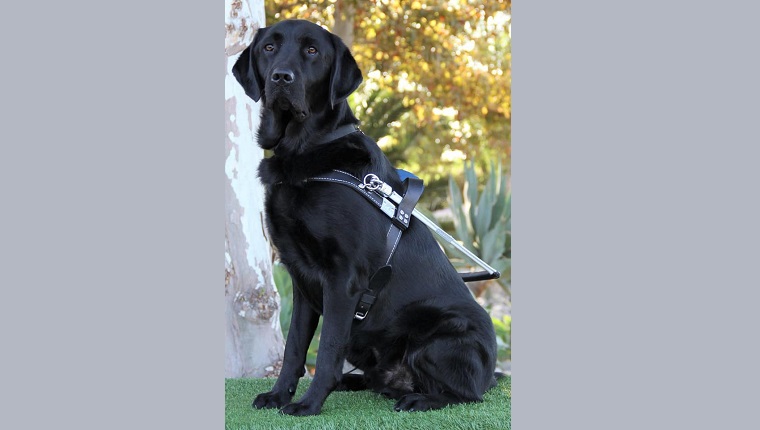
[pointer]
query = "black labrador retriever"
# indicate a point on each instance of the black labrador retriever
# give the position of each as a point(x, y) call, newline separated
point(425, 342)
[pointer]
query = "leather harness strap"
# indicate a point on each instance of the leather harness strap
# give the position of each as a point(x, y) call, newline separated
point(339, 132)
point(400, 218)
point(349, 180)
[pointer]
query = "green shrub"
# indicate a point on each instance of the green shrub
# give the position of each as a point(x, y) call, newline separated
point(503, 328)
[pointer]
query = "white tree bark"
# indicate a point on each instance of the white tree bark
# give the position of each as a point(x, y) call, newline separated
point(254, 342)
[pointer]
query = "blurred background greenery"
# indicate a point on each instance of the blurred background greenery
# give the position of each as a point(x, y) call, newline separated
point(436, 97)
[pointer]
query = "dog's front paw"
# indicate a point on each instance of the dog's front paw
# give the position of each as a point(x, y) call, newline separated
point(300, 409)
point(271, 399)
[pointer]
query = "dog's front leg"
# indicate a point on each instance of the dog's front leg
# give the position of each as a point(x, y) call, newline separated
point(303, 323)
point(337, 317)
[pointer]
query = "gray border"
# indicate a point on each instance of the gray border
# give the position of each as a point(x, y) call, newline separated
point(112, 302)
point(635, 215)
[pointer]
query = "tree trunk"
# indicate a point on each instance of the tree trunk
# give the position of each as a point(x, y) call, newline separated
point(254, 343)
point(344, 21)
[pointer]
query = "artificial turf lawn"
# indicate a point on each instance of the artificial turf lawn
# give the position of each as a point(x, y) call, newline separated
point(363, 410)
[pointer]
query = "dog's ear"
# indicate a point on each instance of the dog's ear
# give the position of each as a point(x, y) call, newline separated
point(345, 76)
point(245, 70)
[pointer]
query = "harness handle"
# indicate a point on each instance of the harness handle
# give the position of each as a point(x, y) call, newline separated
point(479, 276)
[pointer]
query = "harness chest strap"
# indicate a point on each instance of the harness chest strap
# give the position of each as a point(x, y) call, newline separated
point(400, 218)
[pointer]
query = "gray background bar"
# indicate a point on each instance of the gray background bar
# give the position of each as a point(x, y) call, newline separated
point(635, 215)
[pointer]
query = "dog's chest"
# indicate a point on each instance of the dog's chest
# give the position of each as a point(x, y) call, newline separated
point(303, 226)
point(289, 212)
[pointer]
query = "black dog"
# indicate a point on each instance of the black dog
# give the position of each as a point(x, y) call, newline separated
point(425, 341)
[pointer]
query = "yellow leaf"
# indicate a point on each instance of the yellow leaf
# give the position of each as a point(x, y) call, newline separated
point(484, 111)
point(419, 112)
point(379, 56)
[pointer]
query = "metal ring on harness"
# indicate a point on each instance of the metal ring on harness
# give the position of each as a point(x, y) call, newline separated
point(371, 182)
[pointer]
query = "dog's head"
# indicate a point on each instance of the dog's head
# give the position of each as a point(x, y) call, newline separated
point(295, 66)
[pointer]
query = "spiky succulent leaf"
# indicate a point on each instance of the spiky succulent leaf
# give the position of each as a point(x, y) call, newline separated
point(461, 218)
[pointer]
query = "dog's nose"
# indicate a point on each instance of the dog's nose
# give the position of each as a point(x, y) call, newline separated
point(283, 76)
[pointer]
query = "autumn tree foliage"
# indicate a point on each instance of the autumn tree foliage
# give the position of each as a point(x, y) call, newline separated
point(437, 76)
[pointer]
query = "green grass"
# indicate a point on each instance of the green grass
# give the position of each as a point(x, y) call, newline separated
point(363, 410)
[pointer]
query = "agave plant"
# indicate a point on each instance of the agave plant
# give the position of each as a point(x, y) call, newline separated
point(483, 220)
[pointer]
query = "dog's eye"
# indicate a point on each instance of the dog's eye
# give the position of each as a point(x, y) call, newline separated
point(311, 50)
point(269, 47)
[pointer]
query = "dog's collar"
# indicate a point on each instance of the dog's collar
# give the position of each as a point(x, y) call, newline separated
point(339, 132)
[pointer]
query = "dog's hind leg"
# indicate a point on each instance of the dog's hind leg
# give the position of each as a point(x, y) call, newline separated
point(352, 382)
point(447, 372)
point(425, 402)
